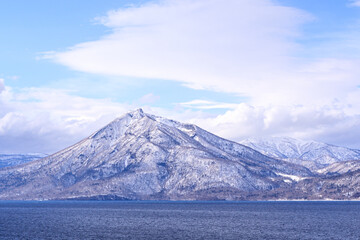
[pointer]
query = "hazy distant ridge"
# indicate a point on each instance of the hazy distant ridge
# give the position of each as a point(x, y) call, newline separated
point(8, 160)
point(311, 154)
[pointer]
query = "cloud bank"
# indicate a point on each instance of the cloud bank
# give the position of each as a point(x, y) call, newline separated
point(326, 124)
point(47, 120)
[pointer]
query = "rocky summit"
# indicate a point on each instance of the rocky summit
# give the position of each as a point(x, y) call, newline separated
point(145, 157)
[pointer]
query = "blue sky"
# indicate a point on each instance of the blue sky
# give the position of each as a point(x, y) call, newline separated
point(238, 68)
point(31, 28)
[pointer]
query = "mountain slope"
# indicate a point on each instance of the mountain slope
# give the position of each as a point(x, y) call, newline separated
point(141, 156)
point(7, 160)
point(311, 154)
point(340, 168)
point(337, 186)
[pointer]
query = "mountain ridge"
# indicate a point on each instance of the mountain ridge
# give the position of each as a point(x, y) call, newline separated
point(8, 160)
point(140, 156)
point(311, 154)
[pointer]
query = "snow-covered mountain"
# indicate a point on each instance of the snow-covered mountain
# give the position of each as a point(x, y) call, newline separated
point(340, 168)
point(141, 156)
point(338, 181)
point(7, 160)
point(314, 155)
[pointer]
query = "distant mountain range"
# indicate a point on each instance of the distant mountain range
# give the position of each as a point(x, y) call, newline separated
point(337, 168)
point(145, 157)
point(7, 160)
point(311, 154)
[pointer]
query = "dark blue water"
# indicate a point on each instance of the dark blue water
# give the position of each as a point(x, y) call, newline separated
point(179, 220)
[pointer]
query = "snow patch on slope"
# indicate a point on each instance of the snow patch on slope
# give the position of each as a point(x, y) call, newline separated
point(292, 177)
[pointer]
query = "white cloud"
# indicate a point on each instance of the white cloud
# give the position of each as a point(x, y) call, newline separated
point(328, 124)
point(13, 78)
point(148, 99)
point(205, 104)
point(355, 3)
point(241, 46)
point(47, 120)
point(245, 47)
point(2, 85)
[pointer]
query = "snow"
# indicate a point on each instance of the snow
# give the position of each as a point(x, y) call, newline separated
point(7, 160)
point(292, 177)
point(311, 154)
point(140, 154)
point(341, 167)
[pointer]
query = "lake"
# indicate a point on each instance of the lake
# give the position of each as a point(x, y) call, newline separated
point(179, 220)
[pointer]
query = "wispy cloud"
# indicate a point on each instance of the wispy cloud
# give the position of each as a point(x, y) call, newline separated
point(2, 85)
point(148, 99)
point(204, 104)
point(244, 46)
point(355, 3)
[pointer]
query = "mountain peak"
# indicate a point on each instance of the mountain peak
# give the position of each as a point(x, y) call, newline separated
point(137, 114)
point(142, 156)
